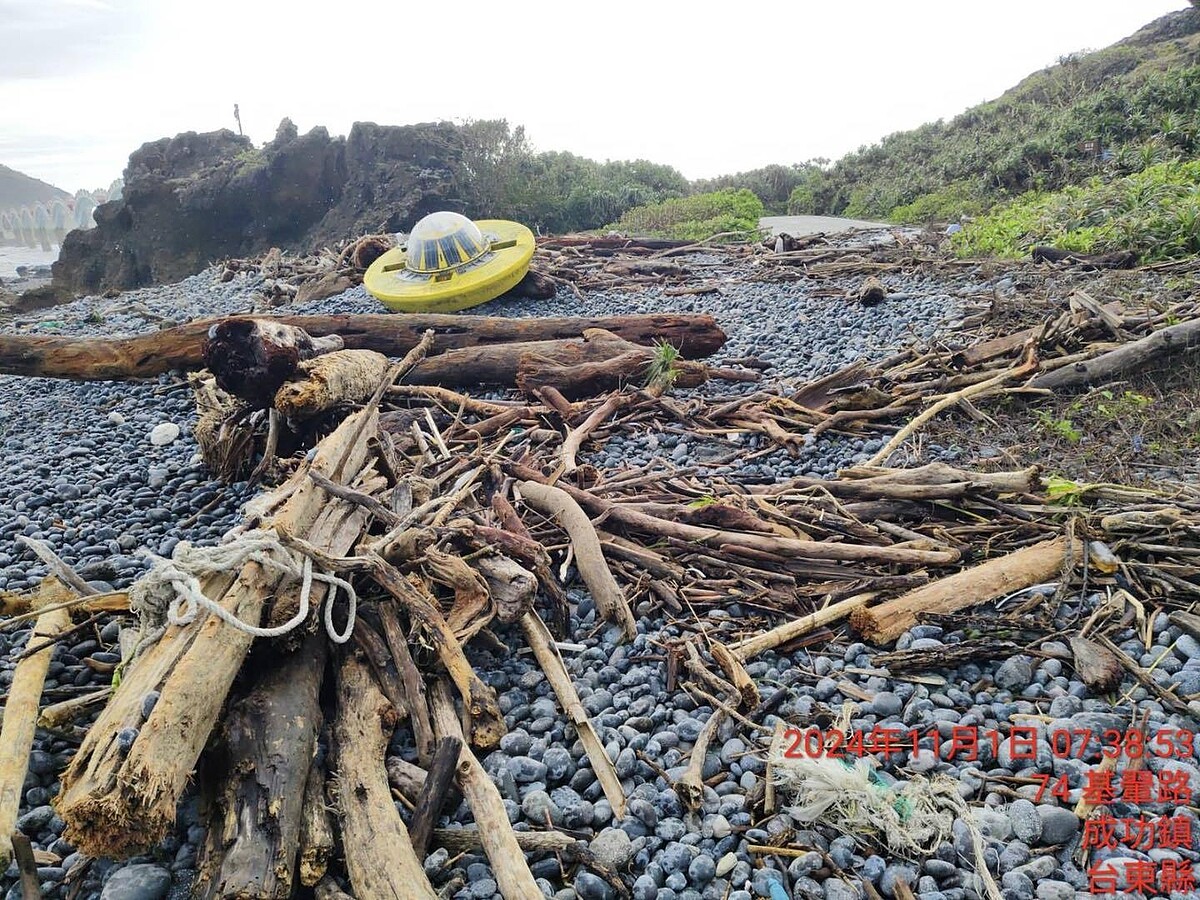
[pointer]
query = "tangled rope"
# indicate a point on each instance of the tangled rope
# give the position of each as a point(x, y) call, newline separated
point(847, 796)
point(170, 594)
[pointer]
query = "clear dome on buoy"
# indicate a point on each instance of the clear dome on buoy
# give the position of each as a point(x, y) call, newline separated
point(443, 241)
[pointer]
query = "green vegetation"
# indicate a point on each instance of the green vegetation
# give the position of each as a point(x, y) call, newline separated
point(1139, 100)
point(775, 185)
point(1050, 161)
point(554, 192)
point(696, 218)
point(1155, 212)
point(1063, 428)
point(662, 371)
point(959, 198)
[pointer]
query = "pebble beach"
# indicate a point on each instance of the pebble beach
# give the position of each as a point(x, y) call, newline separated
point(108, 475)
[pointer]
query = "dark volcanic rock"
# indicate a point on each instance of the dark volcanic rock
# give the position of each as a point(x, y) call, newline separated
point(196, 198)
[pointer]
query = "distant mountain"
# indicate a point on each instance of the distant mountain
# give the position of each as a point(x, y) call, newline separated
point(18, 189)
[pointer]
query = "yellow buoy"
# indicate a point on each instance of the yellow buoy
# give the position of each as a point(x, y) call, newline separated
point(450, 263)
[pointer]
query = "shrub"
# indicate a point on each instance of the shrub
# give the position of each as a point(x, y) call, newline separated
point(695, 218)
point(960, 198)
point(1155, 212)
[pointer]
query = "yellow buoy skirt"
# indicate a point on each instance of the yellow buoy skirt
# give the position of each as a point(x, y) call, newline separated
point(510, 248)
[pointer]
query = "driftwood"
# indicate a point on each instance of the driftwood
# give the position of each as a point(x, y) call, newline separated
point(496, 834)
point(871, 291)
point(20, 718)
point(434, 793)
point(1095, 664)
point(769, 544)
point(1122, 259)
point(467, 840)
point(22, 851)
point(342, 377)
point(406, 779)
point(486, 719)
point(116, 802)
point(539, 639)
point(601, 360)
point(1129, 357)
point(379, 854)
point(148, 355)
point(986, 581)
point(251, 358)
point(316, 830)
point(742, 683)
point(512, 587)
point(610, 602)
point(690, 786)
point(269, 741)
point(59, 715)
point(789, 631)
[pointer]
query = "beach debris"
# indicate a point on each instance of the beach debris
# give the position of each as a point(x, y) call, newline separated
point(446, 518)
point(1096, 666)
point(871, 291)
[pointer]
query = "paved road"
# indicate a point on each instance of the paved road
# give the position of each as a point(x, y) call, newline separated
point(801, 225)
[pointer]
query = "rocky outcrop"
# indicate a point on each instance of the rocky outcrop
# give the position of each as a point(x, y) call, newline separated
point(195, 198)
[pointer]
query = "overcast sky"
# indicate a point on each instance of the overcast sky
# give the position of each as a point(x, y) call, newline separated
point(706, 87)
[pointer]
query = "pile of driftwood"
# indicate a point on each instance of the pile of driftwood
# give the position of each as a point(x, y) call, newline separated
point(458, 519)
point(1082, 344)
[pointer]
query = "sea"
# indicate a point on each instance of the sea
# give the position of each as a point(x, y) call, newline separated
point(11, 257)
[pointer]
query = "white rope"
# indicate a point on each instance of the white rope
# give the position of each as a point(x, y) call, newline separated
point(170, 592)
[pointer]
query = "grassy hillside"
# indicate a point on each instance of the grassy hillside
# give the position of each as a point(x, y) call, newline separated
point(1140, 99)
point(17, 189)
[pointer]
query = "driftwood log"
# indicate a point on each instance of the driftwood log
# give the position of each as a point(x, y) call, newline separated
point(117, 799)
point(20, 719)
point(986, 581)
point(148, 355)
point(1127, 358)
point(269, 739)
point(379, 854)
point(586, 367)
point(346, 376)
point(496, 834)
point(1122, 259)
point(251, 358)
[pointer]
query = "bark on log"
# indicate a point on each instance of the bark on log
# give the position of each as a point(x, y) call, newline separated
point(589, 558)
point(269, 738)
point(148, 355)
point(20, 722)
point(344, 377)
point(986, 581)
point(316, 829)
point(116, 803)
point(379, 854)
point(434, 793)
point(499, 842)
point(1179, 338)
point(513, 587)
